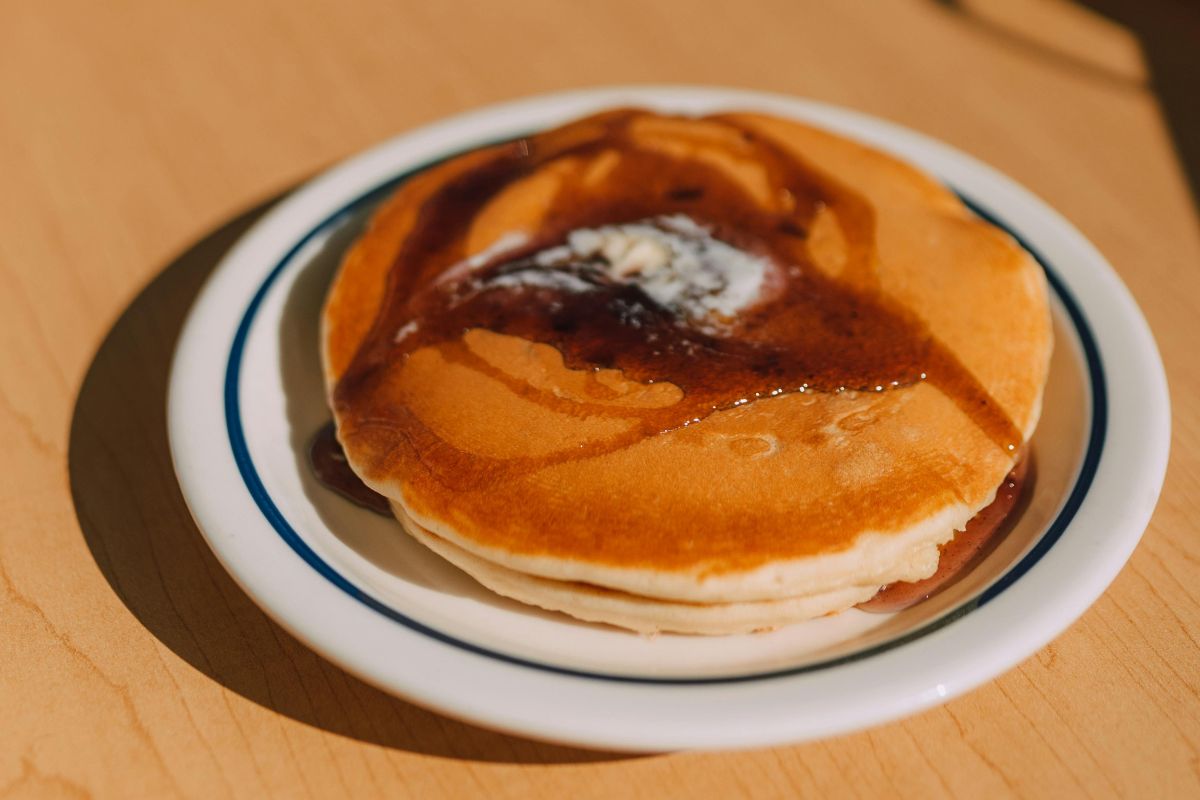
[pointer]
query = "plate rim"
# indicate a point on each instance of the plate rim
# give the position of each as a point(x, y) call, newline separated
point(232, 550)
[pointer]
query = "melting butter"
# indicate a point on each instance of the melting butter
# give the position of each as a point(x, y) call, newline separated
point(677, 262)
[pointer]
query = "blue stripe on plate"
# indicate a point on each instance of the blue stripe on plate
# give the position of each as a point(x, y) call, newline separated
point(254, 485)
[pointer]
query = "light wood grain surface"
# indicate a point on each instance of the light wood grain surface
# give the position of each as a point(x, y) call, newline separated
point(139, 138)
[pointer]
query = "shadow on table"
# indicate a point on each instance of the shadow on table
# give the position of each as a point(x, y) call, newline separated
point(139, 531)
point(1168, 33)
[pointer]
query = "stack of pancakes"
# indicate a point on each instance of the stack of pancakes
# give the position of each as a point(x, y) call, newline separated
point(548, 418)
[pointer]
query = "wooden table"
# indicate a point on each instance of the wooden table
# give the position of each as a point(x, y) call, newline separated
point(138, 139)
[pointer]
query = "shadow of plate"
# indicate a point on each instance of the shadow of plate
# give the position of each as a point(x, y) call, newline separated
point(139, 531)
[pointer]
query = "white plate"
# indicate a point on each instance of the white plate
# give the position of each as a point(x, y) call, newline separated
point(246, 396)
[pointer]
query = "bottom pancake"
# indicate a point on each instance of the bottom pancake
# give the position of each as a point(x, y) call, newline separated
point(643, 614)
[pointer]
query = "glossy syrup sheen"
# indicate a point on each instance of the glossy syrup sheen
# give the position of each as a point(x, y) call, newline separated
point(810, 333)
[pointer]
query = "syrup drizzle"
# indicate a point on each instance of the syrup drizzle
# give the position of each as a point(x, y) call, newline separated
point(816, 334)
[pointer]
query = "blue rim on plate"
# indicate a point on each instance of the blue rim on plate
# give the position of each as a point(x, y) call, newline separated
point(254, 484)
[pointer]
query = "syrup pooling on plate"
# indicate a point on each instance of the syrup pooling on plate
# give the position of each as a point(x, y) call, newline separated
point(808, 332)
point(328, 463)
point(967, 548)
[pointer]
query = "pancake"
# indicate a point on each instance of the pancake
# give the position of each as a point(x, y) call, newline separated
point(643, 614)
point(699, 374)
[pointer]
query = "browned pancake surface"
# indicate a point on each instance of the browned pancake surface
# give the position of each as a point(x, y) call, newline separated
point(523, 435)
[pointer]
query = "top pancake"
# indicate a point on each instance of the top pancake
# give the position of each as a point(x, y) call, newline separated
point(578, 452)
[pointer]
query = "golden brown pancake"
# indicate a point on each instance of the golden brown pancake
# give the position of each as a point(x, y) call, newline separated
point(643, 614)
point(732, 361)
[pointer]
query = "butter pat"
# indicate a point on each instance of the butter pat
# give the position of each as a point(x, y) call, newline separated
point(677, 262)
